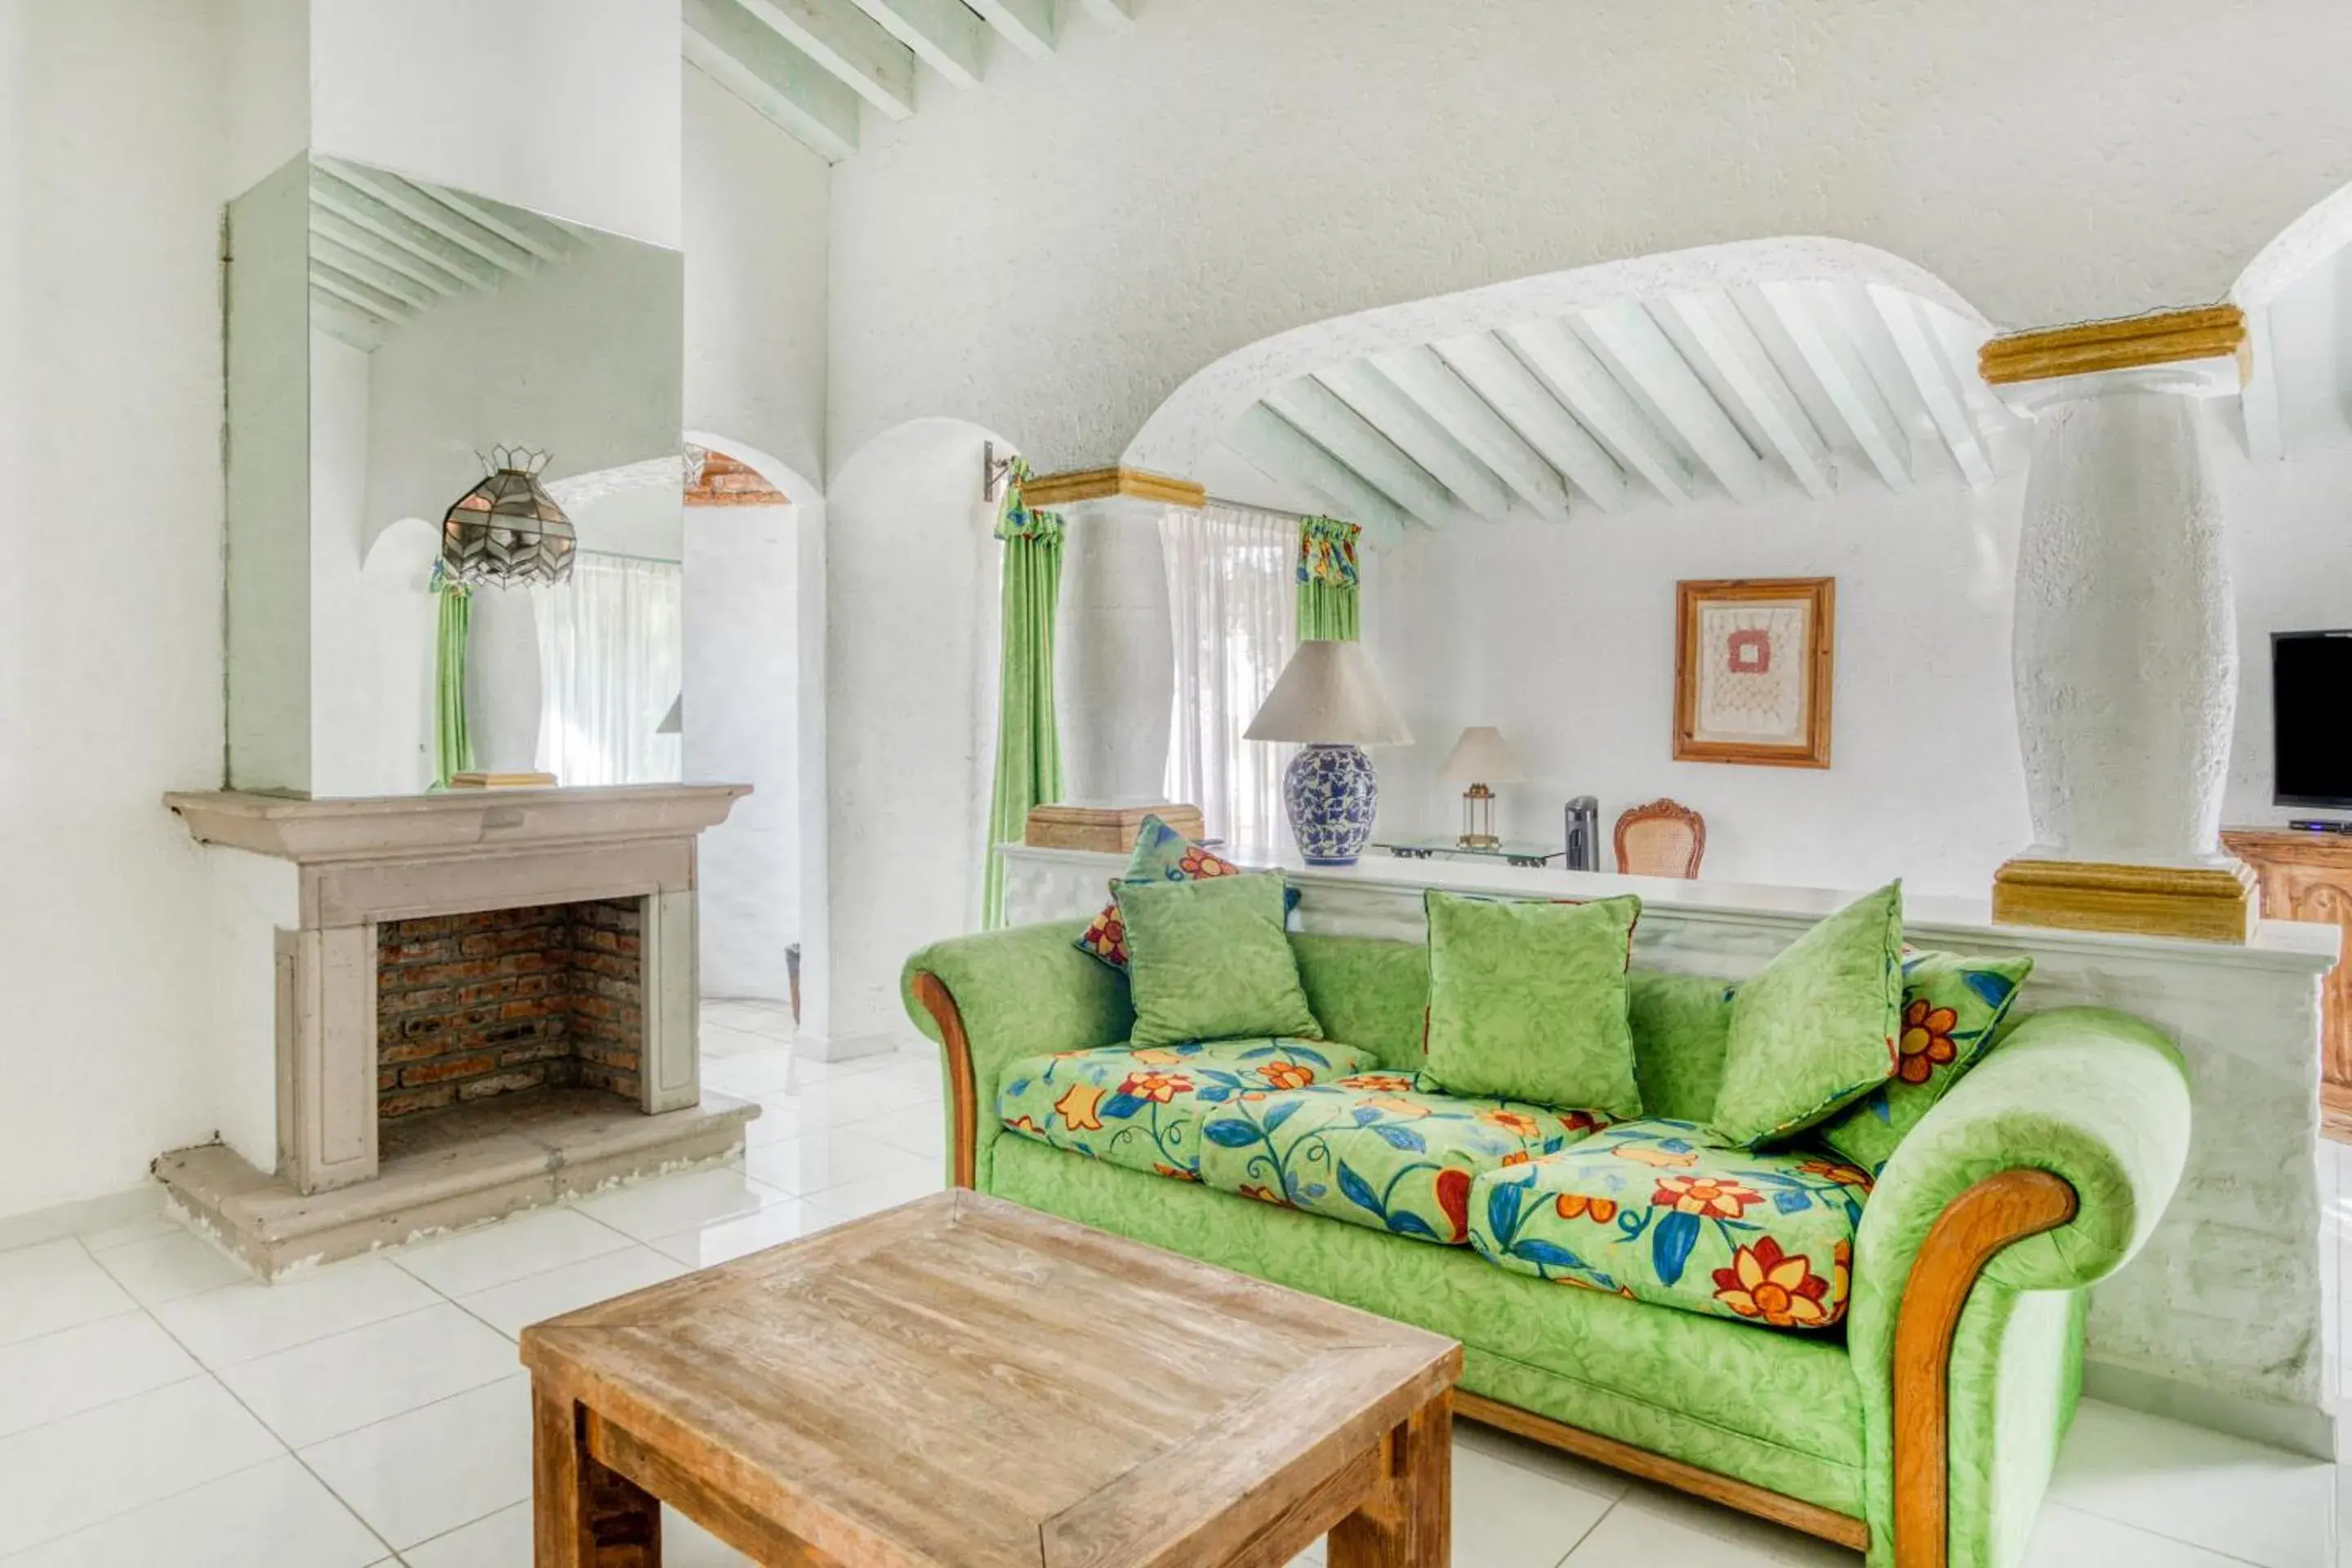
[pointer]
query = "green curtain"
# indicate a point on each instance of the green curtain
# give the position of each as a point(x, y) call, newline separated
point(1328, 580)
point(1028, 745)
point(453, 741)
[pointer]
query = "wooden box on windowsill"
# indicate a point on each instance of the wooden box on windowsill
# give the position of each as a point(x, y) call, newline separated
point(502, 781)
point(1108, 829)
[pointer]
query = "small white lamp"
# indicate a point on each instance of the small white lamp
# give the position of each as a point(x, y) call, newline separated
point(1481, 758)
point(1330, 699)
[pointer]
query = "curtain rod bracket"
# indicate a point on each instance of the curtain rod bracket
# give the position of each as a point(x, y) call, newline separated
point(995, 472)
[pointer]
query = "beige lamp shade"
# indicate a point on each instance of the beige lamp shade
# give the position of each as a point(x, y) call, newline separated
point(1483, 756)
point(1329, 694)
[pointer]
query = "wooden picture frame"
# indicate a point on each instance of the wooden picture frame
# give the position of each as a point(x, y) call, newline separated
point(1784, 719)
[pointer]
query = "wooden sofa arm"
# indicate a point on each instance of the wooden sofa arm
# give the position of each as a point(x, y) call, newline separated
point(1971, 1231)
point(963, 1107)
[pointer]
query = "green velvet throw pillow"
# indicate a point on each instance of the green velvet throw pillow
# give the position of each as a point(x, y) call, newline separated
point(1527, 1001)
point(1209, 960)
point(1815, 1030)
point(1952, 1009)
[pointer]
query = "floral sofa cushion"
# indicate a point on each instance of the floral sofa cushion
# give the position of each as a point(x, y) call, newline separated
point(1140, 1107)
point(1373, 1150)
point(1660, 1212)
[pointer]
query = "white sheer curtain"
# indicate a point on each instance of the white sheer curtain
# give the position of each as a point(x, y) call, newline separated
point(612, 660)
point(1233, 599)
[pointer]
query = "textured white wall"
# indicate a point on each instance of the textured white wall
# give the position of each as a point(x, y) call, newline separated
point(1051, 255)
point(110, 645)
point(755, 282)
point(567, 107)
point(742, 722)
point(909, 642)
point(1565, 637)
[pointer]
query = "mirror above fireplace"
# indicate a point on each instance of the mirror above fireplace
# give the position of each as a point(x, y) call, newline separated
point(387, 335)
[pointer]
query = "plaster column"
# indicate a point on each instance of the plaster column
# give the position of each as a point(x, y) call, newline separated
point(1114, 657)
point(502, 684)
point(2126, 650)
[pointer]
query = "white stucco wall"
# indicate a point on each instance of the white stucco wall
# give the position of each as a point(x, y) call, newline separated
point(743, 718)
point(567, 107)
point(755, 282)
point(110, 645)
point(908, 639)
point(1051, 255)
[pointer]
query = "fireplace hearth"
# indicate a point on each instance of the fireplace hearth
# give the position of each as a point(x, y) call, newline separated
point(466, 1004)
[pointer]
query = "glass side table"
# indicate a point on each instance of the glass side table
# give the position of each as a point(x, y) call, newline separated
point(1533, 855)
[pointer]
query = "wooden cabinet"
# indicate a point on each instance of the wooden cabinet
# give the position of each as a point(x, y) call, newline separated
point(2308, 876)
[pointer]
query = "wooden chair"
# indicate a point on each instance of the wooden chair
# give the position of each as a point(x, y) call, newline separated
point(1660, 839)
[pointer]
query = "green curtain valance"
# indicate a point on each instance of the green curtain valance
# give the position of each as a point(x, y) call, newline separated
point(1014, 519)
point(1329, 580)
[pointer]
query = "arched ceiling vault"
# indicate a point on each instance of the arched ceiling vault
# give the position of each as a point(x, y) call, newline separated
point(1781, 366)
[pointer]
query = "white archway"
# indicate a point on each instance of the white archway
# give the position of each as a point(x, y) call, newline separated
point(805, 821)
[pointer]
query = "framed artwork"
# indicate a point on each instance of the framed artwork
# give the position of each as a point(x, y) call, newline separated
point(1753, 658)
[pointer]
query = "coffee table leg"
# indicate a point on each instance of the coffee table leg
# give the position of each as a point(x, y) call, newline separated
point(583, 1515)
point(1411, 1524)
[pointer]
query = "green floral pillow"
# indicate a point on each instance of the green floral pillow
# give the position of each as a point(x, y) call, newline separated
point(1527, 1001)
point(1815, 1030)
point(1209, 960)
point(1161, 855)
point(1952, 1010)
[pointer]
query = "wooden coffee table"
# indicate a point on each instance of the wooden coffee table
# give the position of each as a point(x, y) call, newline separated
point(965, 1381)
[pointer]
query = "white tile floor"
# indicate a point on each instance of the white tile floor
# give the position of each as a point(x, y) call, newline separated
point(155, 1407)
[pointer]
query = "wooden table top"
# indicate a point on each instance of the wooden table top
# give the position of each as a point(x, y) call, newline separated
point(962, 1379)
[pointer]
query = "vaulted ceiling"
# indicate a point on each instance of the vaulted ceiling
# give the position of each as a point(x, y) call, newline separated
point(383, 249)
point(1742, 391)
point(808, 64)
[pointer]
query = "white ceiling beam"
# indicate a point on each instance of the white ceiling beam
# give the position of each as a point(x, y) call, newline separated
point(425, 206)
point(747, 57)
point(345, 322)
point(1423, 438)
point(348, 201)
point(944, 35)
point(337, 229)
point(1274, 444)
point(1118, 14)
point(1932, 373)
point(1829, 351)
point(363, 266)
point(1575, 375)
point(1512, 390)
point(1726, 340)
point(1347, 435)
point(1650, 360)
point(848, 42)
point(2259, 402)
point(545, 239)
point(1027, 25)
point(1429, 381)
point(373, 300)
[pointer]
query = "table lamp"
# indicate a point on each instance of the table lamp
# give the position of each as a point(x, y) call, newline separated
point(1330, 698)
point(1481, 758)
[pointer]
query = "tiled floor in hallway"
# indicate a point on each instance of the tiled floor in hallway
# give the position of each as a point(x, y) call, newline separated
point(157, 1408)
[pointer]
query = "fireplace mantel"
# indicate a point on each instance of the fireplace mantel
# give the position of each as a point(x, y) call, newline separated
point(407, 827)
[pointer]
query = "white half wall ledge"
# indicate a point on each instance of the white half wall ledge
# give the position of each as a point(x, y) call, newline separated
point(1195, 417)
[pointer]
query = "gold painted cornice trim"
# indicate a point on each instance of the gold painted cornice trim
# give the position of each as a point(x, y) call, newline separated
point(1099, 484)
point(2127, 342)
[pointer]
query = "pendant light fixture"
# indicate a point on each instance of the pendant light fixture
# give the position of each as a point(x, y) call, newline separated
point(508, 529)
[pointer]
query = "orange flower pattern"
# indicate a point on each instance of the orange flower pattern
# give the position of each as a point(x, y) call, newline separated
point(1926, 1042)
point(1161, 1087)
point(1287, 1075)
point(1764, 1283)
point(1661, 1211)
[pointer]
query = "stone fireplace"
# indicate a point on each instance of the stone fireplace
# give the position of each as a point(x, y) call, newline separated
point(474, 1002)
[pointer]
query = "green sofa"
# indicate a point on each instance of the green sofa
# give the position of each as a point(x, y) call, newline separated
point(1922, 1428)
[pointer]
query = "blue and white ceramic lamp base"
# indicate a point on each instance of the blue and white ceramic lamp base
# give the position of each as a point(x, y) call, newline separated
point(1331, 794)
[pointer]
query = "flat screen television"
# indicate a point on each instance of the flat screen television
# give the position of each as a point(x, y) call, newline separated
point(2311, 715)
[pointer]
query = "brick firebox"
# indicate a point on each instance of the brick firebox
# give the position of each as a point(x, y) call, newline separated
point(488, 1002)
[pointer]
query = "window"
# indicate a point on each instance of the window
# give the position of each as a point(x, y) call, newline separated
point(1234, 603)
